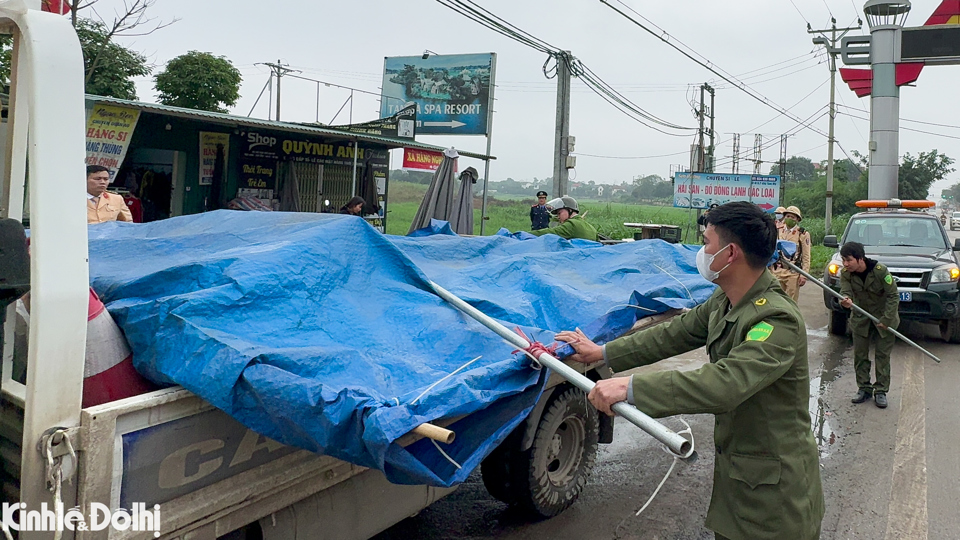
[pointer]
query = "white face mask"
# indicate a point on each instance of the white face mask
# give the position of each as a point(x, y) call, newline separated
point(704, 261)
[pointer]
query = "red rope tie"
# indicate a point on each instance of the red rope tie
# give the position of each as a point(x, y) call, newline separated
point(536, 348)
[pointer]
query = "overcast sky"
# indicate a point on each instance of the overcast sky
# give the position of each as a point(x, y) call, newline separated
point(345, 43)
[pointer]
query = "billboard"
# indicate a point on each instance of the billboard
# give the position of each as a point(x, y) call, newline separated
point(453, 93)
point(700, 190)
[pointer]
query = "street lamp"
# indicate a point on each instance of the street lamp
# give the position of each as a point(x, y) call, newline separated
point(427, 53)
point(886, 19)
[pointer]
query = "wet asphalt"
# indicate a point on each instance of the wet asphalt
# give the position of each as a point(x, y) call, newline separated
point(887, 473)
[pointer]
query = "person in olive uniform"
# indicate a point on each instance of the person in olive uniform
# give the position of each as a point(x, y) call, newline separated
point(540, 213)
point(572, 225)
point(869, 285)
point(766, 482)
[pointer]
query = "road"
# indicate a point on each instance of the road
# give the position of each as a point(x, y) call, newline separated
point(887, 474)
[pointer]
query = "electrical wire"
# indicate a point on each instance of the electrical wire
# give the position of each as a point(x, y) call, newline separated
point(906, 119)
point(944, 135)
point(482, 16)
point(800, 13)
point(630, 157)
point(673, 42)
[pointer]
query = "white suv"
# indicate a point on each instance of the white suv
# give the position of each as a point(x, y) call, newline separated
point(955, 221)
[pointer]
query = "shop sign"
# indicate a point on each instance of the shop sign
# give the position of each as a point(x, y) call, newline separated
point(415, 159)
point(208, 154)
point(700, 190)
point(109, 130)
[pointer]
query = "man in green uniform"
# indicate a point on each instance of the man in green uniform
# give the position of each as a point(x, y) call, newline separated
point(572, 225)
point(868, 284)
point(766, 482)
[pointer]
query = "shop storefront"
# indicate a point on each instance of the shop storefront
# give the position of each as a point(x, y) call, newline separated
point(178, 161)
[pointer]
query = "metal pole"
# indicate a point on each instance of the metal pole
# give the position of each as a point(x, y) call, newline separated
point(560, 174)
point(832, 52)
point(677, 444)
point(351, 107)
point(856, 308)
point(828, 217)
point(356, 150)
point(883, 181)
point(710, 154)
point(486, 177)
point(279, 76)
point(318, 103)
point(702, 114)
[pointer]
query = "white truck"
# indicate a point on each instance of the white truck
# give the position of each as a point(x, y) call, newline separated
point(166, 464)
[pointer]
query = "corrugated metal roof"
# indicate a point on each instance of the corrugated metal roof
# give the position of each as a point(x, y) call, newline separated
point(231, 120)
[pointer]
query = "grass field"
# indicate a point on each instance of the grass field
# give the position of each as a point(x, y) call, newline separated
point(608, 218)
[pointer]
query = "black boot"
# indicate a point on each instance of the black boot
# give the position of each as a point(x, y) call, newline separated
point(881, 400)
point(862, 395)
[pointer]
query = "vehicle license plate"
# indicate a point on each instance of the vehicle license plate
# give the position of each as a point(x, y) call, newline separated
point(906, 296)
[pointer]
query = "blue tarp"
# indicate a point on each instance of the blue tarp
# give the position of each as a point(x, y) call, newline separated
point(319, 332)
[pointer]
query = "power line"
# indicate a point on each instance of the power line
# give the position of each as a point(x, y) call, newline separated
point(486, 18)
point(801, 14)
point(631, 157)
point(908, 129)
point(906, 119)
point(672, 41)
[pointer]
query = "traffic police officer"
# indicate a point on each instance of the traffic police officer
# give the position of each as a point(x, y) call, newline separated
point(791, 281)
point(540, 213)
point(572, 225)
point(869, 285)
point(766, 470)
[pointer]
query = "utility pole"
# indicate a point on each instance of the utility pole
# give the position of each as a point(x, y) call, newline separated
point(699, 163)
point(562, 143)
point(279, 70)
point(830, 44)
point(712, 153)
point(735, 167)
point(757, 150)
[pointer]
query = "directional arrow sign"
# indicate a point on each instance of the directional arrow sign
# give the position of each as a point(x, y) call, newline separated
point(453, 124)
point(453, 92)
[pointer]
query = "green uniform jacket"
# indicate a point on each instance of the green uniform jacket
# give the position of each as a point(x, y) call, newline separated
point(877, 295)
point(766, 480)
point(575, 227)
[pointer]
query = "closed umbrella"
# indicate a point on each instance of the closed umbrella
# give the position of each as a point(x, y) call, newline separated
point(290, 192)
point(368, 190)
point(438, 201)
point(461, 219)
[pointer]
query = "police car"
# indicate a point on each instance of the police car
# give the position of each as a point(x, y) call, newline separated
point(915, 248)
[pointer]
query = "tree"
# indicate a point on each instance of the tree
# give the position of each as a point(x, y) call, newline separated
point(109, 66)
point(798, 169)
point(917, 174)
point(199, 80)
point(952, 193)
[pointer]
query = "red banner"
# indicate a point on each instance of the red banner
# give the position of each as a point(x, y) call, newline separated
point(60, 7)
point(422, 160)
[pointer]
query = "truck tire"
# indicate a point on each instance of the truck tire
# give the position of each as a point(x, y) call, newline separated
point(838, 322)
point(549, 477)
point(950, 330)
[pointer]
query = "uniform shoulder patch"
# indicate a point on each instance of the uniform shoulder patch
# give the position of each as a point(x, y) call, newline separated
point(761, 301)
point(760, 332)
point(889, 279)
